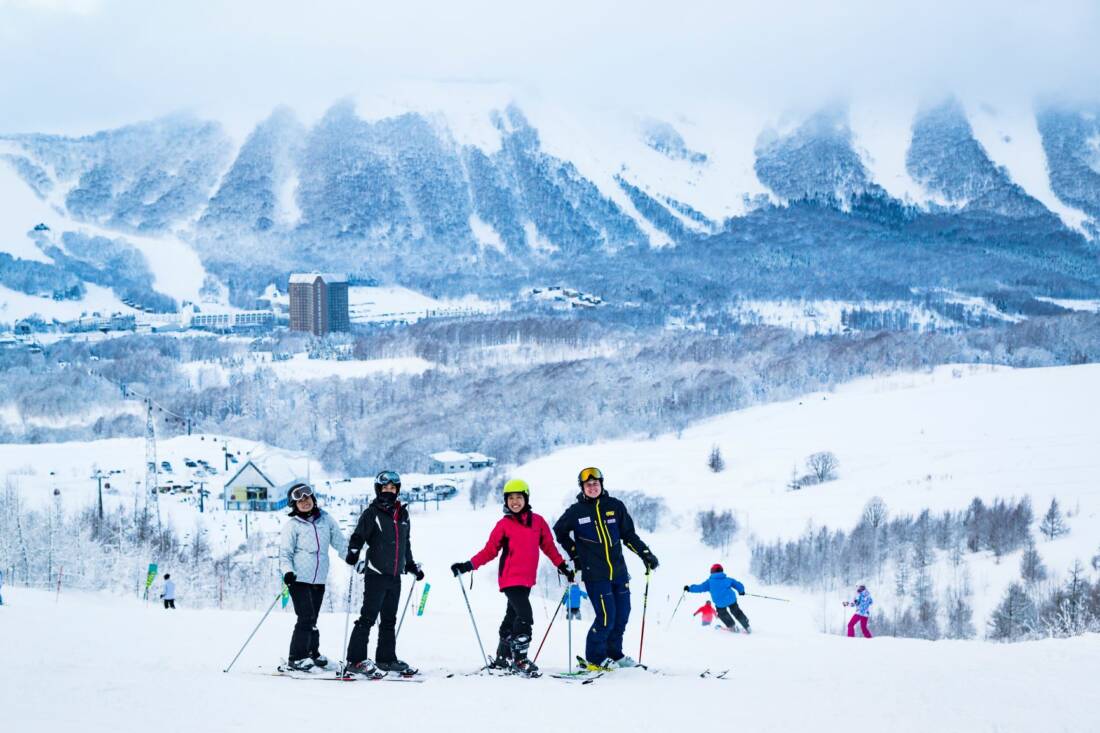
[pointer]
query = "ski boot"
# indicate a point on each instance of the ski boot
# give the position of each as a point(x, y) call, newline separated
point(396, 665)
point(365, 669)
point(524, 667)
point(299, 665)
point(586, 666)
point(521, 665)
point(503, 659)
point(320, 661)
point(624, 662)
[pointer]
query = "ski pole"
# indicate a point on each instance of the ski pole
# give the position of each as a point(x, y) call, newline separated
point(480, 646)
point(570, 620)
point(645, 605)
point(682, 594)
point(549, 626)
point(269, 610)
point(403, 610)
point(347, 617)
point(770, 598)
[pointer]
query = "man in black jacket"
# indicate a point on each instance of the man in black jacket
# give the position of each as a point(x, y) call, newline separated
point(384, 529)
point(593, 531)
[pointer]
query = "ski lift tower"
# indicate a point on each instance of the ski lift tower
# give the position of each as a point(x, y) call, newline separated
point(151, 461)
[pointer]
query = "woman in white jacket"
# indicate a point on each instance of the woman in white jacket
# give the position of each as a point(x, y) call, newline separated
point(304, 561)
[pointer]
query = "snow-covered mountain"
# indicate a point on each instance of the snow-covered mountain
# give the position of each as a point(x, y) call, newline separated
point(500, 186)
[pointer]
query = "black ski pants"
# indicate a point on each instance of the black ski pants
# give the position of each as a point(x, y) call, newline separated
point(730, 612)
point(515, 629)
point(381, 595)
point(169, 603)
point(305, 640)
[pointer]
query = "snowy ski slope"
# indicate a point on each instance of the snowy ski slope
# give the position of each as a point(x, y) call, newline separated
point(932, 439)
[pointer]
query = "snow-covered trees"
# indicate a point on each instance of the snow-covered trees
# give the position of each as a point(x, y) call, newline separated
point(715, 462)
point(1032, 569)
point(1053, 524)
point(1016, 616)
point(716, 529)
point(960, 617)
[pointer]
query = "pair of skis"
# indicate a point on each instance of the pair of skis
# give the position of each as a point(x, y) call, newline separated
point(284, 671)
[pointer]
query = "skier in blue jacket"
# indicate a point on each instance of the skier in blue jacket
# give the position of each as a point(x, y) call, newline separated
point(721, 588)
point(572, 601)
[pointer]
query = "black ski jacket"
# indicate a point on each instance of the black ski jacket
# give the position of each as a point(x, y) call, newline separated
point(385, 532)
point(593, 531)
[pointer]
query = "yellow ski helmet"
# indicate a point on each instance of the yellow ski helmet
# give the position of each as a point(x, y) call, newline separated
point(517, 486)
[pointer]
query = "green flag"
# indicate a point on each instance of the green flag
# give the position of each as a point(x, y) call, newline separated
point(151, 576)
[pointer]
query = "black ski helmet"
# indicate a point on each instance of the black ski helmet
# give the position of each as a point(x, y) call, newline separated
point(386, 477)
point(589, 473)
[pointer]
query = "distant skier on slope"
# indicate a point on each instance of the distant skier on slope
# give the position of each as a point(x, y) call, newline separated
point(517, 538)
point(383, 528)
point(572, 601)
point(169, 594)
point(862, 605)
point(593, 531)
point(721, 588)
point(708, 613)
point(303, 556)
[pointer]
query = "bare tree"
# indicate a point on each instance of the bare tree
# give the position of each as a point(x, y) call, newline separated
point(823, 466)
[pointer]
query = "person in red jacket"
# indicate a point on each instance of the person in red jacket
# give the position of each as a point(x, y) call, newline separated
point(708, 613)
point(517, 538)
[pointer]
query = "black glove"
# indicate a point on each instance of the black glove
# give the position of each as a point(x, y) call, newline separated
point(289, 577)
point(650, 561)
point(565, 570)
point(687, 588)
point(352, 557)
point(740, 592)
point(462, 567)
point(415, 570)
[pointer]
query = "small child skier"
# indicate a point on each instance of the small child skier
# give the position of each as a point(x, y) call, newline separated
point(708, 613)
point(862, 605)
point(721, 590)
point(520, 534)
point(572, 601)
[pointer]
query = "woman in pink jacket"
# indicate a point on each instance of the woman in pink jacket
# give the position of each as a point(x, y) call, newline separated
point(517, 538)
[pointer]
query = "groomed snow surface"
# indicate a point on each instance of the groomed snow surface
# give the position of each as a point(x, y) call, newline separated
point(935, 439)
point(93, 663)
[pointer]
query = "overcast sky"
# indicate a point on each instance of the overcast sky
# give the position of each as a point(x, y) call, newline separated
point(75, 66)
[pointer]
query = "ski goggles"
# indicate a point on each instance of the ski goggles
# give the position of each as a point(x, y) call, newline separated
point(300, 492)
point(590, 473)
point(388, 477)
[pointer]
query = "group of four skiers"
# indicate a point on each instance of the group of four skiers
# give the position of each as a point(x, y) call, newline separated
point(592, 531)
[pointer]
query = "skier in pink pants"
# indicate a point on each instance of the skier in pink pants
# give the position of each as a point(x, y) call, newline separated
point(862, 605)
